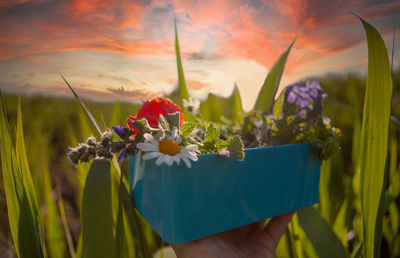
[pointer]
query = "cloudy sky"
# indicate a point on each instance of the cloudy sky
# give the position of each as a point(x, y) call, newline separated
point(124, 49)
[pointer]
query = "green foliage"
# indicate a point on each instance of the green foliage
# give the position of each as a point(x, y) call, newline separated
point(187, 128)
point(97, 220)
point(22, 210)
point(265, 99)
point(374, 140)
point(321, 235)
point(173, 120)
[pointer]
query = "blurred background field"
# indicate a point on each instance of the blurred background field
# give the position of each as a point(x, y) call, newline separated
point(52, 123)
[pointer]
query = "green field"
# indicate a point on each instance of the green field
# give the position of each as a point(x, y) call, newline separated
point(51, 124)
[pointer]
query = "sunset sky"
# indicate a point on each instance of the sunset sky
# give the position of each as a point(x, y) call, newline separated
point(125, 49)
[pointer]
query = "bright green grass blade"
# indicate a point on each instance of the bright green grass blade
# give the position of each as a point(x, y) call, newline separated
point(23, 161)
point(265, 99)
point(122, 245)
point(321, 235)
point(183, 92)
point(24, 228)
point(55, 237)
point(26, 174)
point(97, 220)
point(82, 105)
point(374, 139)
point(66, 229)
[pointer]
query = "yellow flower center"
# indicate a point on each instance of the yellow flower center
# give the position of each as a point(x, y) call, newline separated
point(169, 147)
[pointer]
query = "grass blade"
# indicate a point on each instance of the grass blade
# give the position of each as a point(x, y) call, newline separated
point(265, 99)
point(66, 228)
point(97, 218)
point(55, 237)
point(24, 225)
point(82, 105)
point(183, 92)
point(321, 235)
point(237, 109)
point(374, 139)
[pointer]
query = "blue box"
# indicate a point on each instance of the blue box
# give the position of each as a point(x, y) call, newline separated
point(217, 194)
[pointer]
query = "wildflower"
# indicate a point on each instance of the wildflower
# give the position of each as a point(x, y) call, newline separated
point(306, 96)
point(192, 105)
point(151, 110)
point(119, 130)
point(167, 149)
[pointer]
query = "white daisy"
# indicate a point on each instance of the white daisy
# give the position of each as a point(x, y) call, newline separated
point(192, 105)
point(167, 149)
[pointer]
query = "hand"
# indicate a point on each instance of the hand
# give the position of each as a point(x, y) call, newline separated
point(252, 240)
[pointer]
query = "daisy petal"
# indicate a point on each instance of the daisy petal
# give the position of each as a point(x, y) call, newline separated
point(192, 147)
point(192, 156)
point(151, 155)
point(177, 159)
point(143, 146)
point(187, 162)
point(160, 160)
point(149, 137)
point(168, 160)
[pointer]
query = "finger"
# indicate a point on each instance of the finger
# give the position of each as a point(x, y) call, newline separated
point(274, 230)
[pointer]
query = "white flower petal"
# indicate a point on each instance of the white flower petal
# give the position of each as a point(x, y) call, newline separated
point(174, 133)
point(192, 156)
point(152, 155)
point(168, 160)
point(187, 162)
point(177, 158)
point(192, 147)
point(178, 139)
point(160, 160)
point(144, 146)
point(149, 137)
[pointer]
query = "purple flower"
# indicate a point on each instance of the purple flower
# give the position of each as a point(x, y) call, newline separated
point(122, 156)
point(302, 113)
point(119, 130)
point(305, 96)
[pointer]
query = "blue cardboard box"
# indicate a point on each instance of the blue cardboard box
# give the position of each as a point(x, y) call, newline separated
point(217, 194)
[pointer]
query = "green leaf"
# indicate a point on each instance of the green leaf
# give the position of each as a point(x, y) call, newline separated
point(23, 223)
point(234, 148)
point(268, 91)
point(374, 140)
point(187, 128)
point(320, 234)
point(181, 77)
point(220, 144)
point(278, 105)
point(97, 218)
point(237, 109)
point(173, 120)
point(212, 134)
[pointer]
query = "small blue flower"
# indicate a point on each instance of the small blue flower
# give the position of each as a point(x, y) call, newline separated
point(122, 156)
point(119, 130)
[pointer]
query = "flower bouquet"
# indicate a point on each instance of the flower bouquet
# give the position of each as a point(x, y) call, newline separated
point(191, 179)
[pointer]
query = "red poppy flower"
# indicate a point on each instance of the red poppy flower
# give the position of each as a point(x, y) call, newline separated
point(152, 109)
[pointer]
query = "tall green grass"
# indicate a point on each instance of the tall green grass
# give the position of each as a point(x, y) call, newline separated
point(94, 216)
